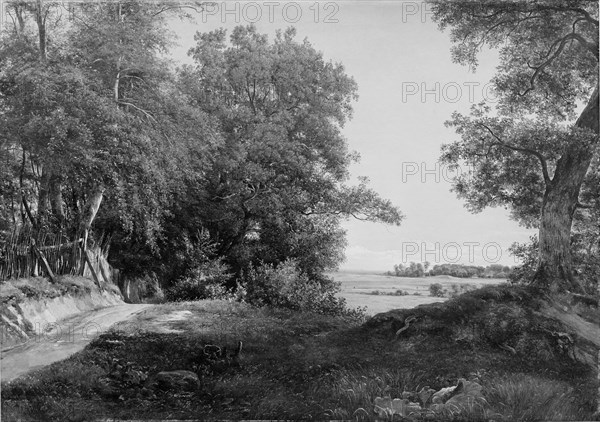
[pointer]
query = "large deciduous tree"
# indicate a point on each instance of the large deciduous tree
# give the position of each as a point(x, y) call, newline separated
point(92, 113)
point(532, 152)
point(276, 188)
point(240, 156)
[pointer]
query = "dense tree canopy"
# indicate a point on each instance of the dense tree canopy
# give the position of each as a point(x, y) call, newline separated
point(237, 159)
point(276, 187)
point(532, 152)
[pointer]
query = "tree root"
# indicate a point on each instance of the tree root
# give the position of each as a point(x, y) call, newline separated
point(407, 322)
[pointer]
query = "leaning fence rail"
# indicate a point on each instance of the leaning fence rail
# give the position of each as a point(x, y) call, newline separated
point(26, 252)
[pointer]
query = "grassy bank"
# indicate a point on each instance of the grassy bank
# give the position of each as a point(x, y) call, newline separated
point(29, 306)
point(303, 366)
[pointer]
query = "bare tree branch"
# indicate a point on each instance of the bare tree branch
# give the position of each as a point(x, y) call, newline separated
point(584, 206)
point(183, 6)
point(541, 67)
point(147, 114)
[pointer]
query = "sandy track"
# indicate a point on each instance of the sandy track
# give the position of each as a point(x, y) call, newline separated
point(62, 339)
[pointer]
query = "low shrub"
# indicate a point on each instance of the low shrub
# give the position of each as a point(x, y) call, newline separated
point(536, 346)
point(396, 293)
point(285, 286)
point(458, 289)
point(206, 281)
point(145, 289)
point(503, 323)
point(527, 253)
point(401, 293)
point(436, 290)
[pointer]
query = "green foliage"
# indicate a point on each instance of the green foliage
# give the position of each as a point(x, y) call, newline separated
point(396, 293)
point(535, 346)
point(585, 241)
point(413, 270)
point(234, 157)
point(147, 288)
point(436, 290)
point(126, 375)
point(534, 150)
point(458, 289)
point(285, 286)
point(584, 245)
point(97, 109)
point(454, 270)
point(40, 288)
point(468, 271)
point(184, 253)
point(527, 253)
point(354, 391)
point(276, 188)
point(205, 281)
point(470, 308)
point(503, 323)
point(521, 397)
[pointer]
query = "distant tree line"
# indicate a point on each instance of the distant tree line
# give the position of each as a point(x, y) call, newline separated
point(455, 270)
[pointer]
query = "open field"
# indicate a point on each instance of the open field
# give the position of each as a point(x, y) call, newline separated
point(357, 288)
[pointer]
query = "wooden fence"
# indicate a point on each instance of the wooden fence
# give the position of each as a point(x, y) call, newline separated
point(26, 252)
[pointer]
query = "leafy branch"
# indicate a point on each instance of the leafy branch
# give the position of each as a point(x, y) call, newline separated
point(537, 154)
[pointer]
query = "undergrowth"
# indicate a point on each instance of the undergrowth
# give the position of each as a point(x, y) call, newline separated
point(305, 365)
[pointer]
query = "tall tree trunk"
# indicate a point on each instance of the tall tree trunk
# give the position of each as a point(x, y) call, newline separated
point(56, 199)
point(40, 17)
point(42, 210)
point(90, 210)
point(555, 268)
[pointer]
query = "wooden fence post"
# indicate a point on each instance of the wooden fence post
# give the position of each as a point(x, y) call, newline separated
point(42, 258)
point(104, 275)
point(86, 256)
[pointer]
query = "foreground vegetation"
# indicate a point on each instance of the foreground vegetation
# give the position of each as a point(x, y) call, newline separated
point(302, 365)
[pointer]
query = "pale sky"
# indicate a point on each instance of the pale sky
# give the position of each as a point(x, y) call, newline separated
point(407, 86)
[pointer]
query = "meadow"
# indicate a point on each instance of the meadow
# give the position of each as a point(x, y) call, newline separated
point(358, 288)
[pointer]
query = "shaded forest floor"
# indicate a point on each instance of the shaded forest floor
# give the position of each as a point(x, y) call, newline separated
point(306, 366)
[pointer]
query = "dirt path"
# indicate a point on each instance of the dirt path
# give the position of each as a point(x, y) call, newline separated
point(64, 339)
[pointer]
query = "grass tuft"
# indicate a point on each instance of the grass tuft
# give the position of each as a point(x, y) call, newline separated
point(522, 397)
